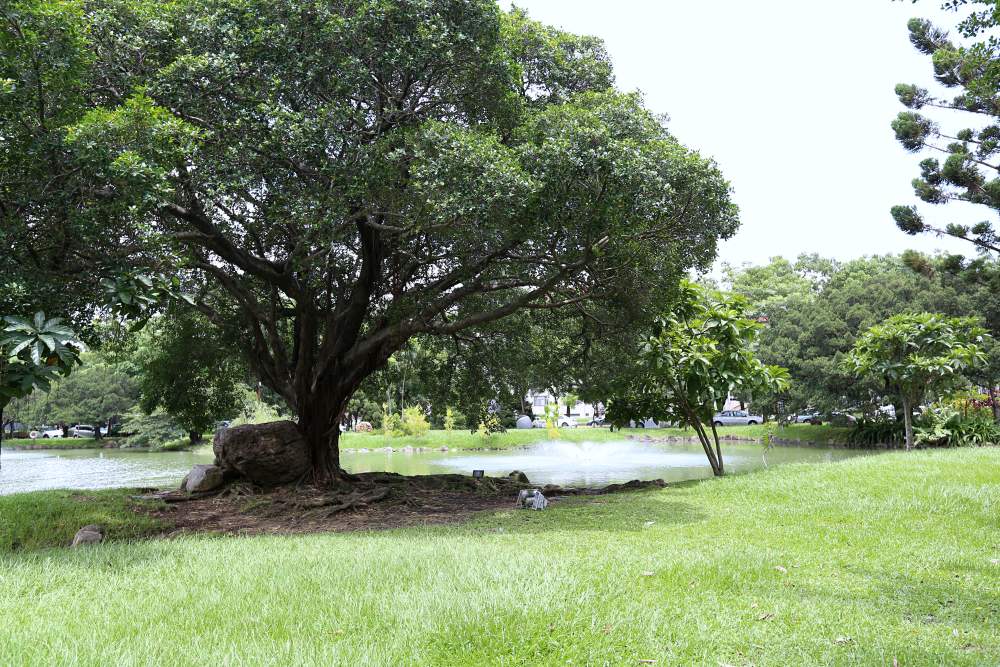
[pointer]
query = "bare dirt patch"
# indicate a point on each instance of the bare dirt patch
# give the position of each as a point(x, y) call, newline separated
point(376, 501)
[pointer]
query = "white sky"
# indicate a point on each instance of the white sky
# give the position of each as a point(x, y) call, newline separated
point(793, 98)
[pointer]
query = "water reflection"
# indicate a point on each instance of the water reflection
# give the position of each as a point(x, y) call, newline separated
point(565, 463)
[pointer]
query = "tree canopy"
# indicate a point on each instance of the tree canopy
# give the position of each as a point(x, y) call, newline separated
point(330, 179)
point(962, 163)
point(701, 353)
point(914, 354)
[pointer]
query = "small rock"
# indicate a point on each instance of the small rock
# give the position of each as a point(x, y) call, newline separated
point(92, 534)
point(781, 569)
point(519, 476)
point(203, 478)
point(443, 449)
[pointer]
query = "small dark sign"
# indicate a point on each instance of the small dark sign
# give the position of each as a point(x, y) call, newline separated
point(477, 474)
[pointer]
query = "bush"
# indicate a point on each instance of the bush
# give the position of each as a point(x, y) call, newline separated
point(874, 432)
point(391, 423)
point(944, 426)
point(454, 419)
point(414, 422)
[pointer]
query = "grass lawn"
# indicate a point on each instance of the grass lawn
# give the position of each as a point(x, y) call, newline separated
point(51, 518)
point(462, 439)
point(890, 557)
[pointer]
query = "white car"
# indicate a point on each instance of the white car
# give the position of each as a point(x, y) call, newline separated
point(48, 433)
point(736, 418)
point(561, 422)
point(85, 431)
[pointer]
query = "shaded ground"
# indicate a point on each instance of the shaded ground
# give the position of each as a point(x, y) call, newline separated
point(379, 501)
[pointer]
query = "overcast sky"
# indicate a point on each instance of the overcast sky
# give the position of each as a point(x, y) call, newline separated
point(793, 99)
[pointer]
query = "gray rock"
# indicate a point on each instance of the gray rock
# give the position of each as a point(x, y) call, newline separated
point(524, 421)
point(92, 534)
point(519, 476)
point(268, 454)
point(203, 478)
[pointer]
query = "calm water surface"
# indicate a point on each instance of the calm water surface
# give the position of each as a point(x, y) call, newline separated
point(568, 464)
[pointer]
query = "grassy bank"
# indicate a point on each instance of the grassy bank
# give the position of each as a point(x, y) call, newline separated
point(863, 562)
point(51, 518)
point(462, 439)
point(57, 443)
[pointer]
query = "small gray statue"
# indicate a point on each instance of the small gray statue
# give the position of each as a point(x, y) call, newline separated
point(531, 499)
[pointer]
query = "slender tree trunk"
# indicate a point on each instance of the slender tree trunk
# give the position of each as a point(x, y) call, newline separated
point(718, 450)
point(195, 437)
point(907, 423)
point(993, 403)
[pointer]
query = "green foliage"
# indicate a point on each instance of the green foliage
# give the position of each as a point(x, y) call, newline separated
point(414, 422)
point(450, 419)
point(875, 432)
point(94, 394)
point(913, 354)
point(151, 431)
point(816, 309)
point(943, 426)
point(388, 170)
point(391, 422)
point(702, 353)
point(186, 371)
point(33, 353)
point(489, 425)
point(969, 170)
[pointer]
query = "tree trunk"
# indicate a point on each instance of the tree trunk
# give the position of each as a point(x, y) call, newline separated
point(993, 403)
point(195, 437)
point(907, 423)
point(718, 451)
point(320, 426)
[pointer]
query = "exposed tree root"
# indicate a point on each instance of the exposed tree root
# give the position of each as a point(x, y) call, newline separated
point(373, 501)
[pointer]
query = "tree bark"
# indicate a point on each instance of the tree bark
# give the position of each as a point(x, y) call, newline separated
point(907, 423)
point(993, 403)
point(319, 423)
point(195, 437)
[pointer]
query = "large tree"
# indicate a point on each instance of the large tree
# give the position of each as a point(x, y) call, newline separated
point(330, 178)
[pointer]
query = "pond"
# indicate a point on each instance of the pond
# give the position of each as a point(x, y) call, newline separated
point(564, 463)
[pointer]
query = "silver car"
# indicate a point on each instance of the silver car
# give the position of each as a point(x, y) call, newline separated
point(736, 418)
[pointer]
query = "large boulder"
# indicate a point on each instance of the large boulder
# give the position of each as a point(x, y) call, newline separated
point(268, 454)
point(524, 421)
point(203, 478)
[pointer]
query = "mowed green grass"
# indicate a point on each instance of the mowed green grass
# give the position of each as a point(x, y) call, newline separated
point(462, 439)
point(890, 557)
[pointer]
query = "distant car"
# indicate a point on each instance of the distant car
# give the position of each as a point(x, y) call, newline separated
point(597, 422)
point(807, 418)
point(51, 433)
point(561, 422)
point(85, 431)
point(736, 418)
